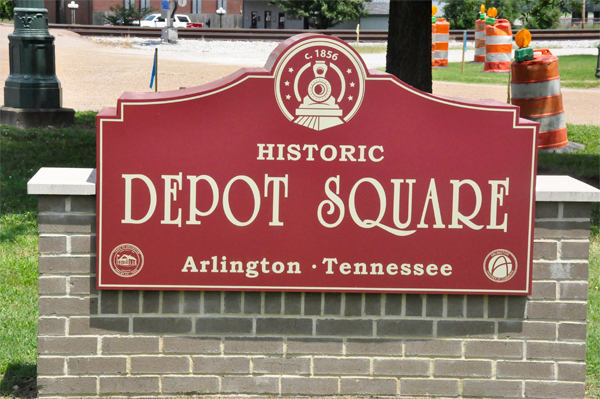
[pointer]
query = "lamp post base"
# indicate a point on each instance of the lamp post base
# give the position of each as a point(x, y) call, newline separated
point(25, 118)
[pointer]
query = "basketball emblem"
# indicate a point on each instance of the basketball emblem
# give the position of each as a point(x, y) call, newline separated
point(320, 83)
point(500, 265)
point(126, 260)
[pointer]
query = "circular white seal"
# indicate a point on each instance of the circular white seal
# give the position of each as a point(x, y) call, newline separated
point(320, 83)
point(126, 260)
point(500, 265)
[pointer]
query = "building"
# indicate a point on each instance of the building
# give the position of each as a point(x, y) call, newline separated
point(92, 12)
point(252, 14)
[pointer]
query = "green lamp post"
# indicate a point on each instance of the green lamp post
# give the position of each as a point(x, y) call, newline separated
point(32, 92)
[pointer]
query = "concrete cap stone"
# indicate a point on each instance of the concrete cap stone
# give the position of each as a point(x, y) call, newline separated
point(63, 181)
point(564, 189)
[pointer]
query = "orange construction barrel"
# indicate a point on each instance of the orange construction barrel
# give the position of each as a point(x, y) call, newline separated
point(433, 39)
point(479, 41)
point(498, 47)
point(442, 37)
point(535, 87)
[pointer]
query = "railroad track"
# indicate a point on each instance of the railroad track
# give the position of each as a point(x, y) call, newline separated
point(279, 35)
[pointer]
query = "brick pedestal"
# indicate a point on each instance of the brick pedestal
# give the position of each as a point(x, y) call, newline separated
point(150, 343)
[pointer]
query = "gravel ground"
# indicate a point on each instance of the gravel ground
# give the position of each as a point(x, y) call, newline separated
point(227, 52)
point(94, 72)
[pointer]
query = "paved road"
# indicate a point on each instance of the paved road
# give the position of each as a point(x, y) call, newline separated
point(94, 75)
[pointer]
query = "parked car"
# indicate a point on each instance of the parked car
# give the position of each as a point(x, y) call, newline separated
point(156, 21)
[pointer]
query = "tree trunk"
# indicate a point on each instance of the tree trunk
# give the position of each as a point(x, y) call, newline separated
point(409, 43)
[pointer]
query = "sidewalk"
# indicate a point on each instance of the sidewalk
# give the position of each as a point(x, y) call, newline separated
point(582, 106)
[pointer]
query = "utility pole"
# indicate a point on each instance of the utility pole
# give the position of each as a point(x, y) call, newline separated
point(169, 33)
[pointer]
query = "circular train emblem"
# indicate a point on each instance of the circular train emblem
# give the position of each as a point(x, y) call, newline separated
point(126, 260)
point(320, 83)
point(500, 265)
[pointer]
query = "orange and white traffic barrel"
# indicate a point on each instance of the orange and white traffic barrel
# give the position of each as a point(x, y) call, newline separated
point(433, 39)
point(480, 40)
point(498, 46)
point(535, 87)
point(442, 37)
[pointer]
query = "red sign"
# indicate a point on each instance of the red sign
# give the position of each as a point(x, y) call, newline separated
point(314, 174)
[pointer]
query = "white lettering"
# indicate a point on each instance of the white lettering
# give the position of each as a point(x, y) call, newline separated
point(372, 151)
point(392, 269)
point(255, 193)
point(433, 198)
point(345, 268)
point(362, 149)
point(333, 199)
point(329, 263)
point(293, 152)
point(151, 190)
point(280, 152)
point(499, 190)
point(278, 267)
point(446, 270)
point(432, 269)
point(251, 269)
point(262, 152)
point(418, 268)
point(263, 265)
point(347, 151)
point(215, 195)
point(456, 215)
point(367, 223)
point(324, 153)
point(189, 264)
point(310, 148)
point(276, 184)
point(396, 205)
point(293, 268)
point(171, 194)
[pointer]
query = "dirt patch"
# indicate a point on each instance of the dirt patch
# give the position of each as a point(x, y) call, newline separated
point(19, 381)
point(93, 76)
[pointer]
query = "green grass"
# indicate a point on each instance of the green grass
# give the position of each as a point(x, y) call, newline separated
point(584, 164)
point(18, 302)
point(24, 152)
point(576, 71)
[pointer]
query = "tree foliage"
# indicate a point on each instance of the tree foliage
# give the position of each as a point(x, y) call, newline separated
point(327, 13)
point(461, 14)
point(6, 9)
point(126, 15)
point(542, 12)
point(540, 16)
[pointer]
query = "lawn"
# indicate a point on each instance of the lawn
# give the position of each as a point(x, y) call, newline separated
point(576, 71)
point(584, 164)
point(24, 152)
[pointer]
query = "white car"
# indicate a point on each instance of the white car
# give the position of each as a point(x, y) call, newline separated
point(156, 21)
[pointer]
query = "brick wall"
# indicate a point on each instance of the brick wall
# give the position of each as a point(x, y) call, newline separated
point(133, 343)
